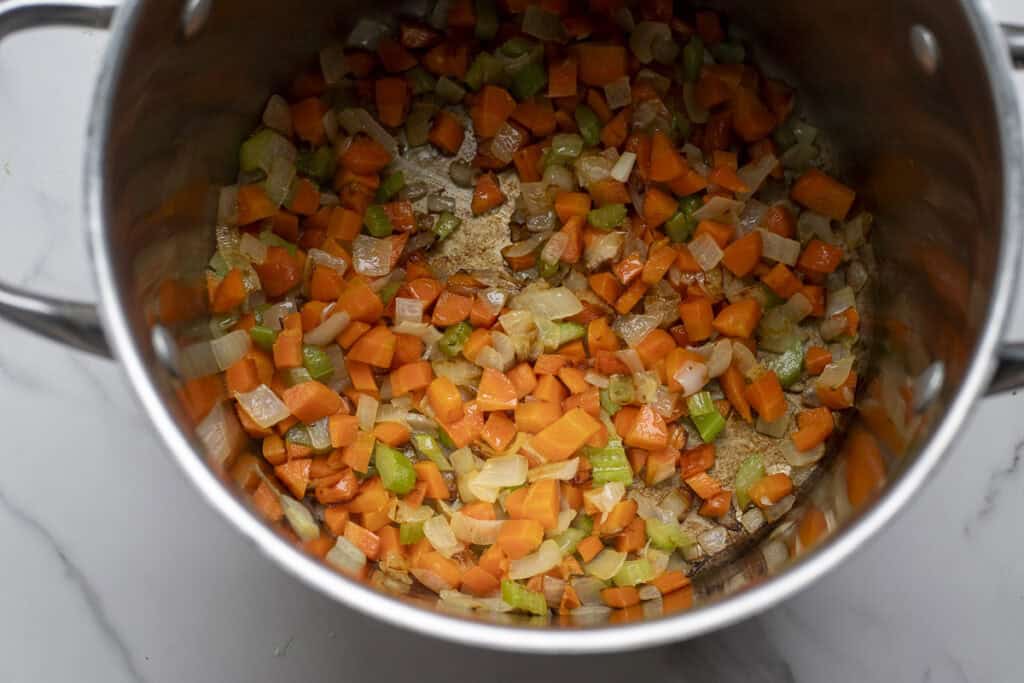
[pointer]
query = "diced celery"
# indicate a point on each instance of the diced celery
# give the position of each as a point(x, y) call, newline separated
point(298, 435)
point(529, 80)
point(274, 240)
point(693, 59)
point(410, 532)
point(771, 299)
point(317, 362)
point(607, 404)
point(570, 331)
point(486, 68)
point(388, 291)
point(446, 224)
point(396, 472)
point(667, 536)
point(609, 463)
point(547, 269)
point(454, 338)
point(568, 540)
point(261, 148)
point(701, 403)
point(390, 186)
point(445, 440)
point(620, 389)
point(564, 148)
point(516, 47)
point(749, 473)
point(681, 125)
point(607, 217)
point(634, 572)
point(420, 80)
point(376, 221)
point(520, 597)
point(709, 425)
point(449, 91)
point(584, 523)
point(318, 165)
point(430, 448)
point(486, 19)
point(789, 365)
point(293, 376)
point(589, 125)
point(263, 337)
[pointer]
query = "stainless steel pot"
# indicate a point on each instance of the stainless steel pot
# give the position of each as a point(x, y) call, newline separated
point(918, 95)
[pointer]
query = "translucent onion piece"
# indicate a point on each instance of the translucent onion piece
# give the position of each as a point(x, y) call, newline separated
point(440, 535)
point(754, 173)
point(665, 402)
point(221, 434)
point(752, 520)
point(634, 328)
point(810, 225)
point(606, 497)
point(641, 40)
point(595, 379)
point(475, 531)
point(463, 461)
point(436, 203)
point(197, 360)
point(776, 429)
point(371, 256)
point(588, 590)
point(631, 359)
point(275, 314)
point(606, 565)
point(645, 386)
point(751, 217)
point(831, 328)
point(692, 376)
point(555, 303)
point(505, 349)
point(720, 359)
point(798, 458)
point(278, 115)
point(505, 142)
point(775, 555)
point(487, 357)
point(603, 250)
point(460, 372)
point(403, 512)
point(834, 375)
point(665, 50)
point(797, 307)
point(322, 258)
point(779, 248)
point(346, 556)
point(230, 348)
point(618, 94)
point(543, 222)
point(555, 247)
point(839, 301)
point(776, 511)
point(366, 33)
point(746, 363)
point(227, 205)
point(553, 588)
point(408, 310)
point(713, 540)
point(503, 472)
point(300, 518)
point(358, 120)
point(279, 180)
point(592, 168)
point(798, 157)
point(263, 406)
point(694, 157)
point(536, 198)
point(366, 412)
point(253, 249)
point(559, 177)
point(857, 275)
point(706, 252)
point(543, 560)
point(720, 209)
point(328, 330)
point(623, 167)
point(563, 471)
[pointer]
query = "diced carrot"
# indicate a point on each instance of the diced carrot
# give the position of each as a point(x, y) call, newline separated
point(601, 337)
point(288, 349)
point(365, 540)
point(710, 90)
point(609, 191)
point(361, 302)
point(573, 379)
point(308, 120)
point(865, 469)
point(823, 194)
point(658, 207)
point(614, 132)
point(447, 133)
point(241, 376)
point(494, 561)
point(523, 378)
point(411, 377)
point(445, 569)
point(230, 292)
point(479, 582)
point(601, 64)
point(738, 319)
point(670, 581)
point(365, 155)
point(779, 219)
point(744, 254)
point(305, 201)
point(569, 204)
point(253, 204)
point(781, 280)
point(486, 195)
point(717, 505)
point(632, 538)
point(294, 474)
point(770, 489)
point(362, 377)
point(751, 119)
point(343, 430)
point(392, 433)
point(266, 503)
point(704, 485)
point(428, 472)
point(549, 389)
point(654, 347)
point(527, 161)
point(841, 397)
point(499, 431)
point(816, 358)
point(620, 596)
point(478, 339)
point(816, 295)
point(813, 526)
point(698, 318)
point(765, 396)
point(548, 364)
point(589, 547)
point(542, 503)
point(519, 537)
point(445, 400)
point(819, 257)
point(492, 108)
point(533, 417)
point(666, 161)
point(357, 454)
point(393, 56)
point(537, 115)
point(720, 232)
point(815, 426)
point(648, 430)
point(496, 391)
point(688, 183)
point(451, 308)
point(376, 348)
point(658, 262)
point(310, 401)
point(467, 429)
point(734, 388)
point(631, 297)
point(562, 77)
point(559, 440)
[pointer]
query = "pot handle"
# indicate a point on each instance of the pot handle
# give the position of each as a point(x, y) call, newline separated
point(74, 323)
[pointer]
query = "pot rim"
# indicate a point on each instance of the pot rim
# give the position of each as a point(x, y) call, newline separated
point(607, 639)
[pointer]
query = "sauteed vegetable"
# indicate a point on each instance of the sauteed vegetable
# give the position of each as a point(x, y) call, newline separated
point(663, 358)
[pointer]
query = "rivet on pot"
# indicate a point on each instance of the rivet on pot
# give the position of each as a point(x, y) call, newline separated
point(925, 48)
point(928, 385)
point(194, 16)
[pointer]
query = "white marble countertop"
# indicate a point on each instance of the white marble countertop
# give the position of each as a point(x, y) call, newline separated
point(114, 570)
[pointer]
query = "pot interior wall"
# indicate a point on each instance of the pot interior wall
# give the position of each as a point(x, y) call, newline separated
point(920, 148)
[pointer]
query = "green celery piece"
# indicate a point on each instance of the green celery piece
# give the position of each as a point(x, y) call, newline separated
point(516, 47)
point(609, 463)
point(272, 239)
point(449, 91)
point(396, 472)
point(410, 532)
point(589, 125)
point(709, 425)
point(681, 125)
point(390, 186)
point(771, 299)
point(584, 523)
point(701, 403)
point(570, 331)
point(318, 165)
point(259, 149)
point(446, 224)
point(693, 59)
point(317, 362)
point(454, 338)
point(548, 332)
point(430, 448)
point(299, 435)
point(789, 365)
point(420, 80)
point(667, 536)
point(388, 291)
point(607, 217)
point(634, 572)
point(520, 597)
point(529, 81)
point(620, 389)
point(263, 337)
point(486, 68)
point(749, 473)
point(547, 269)
point(679, 227)
point(445, 440)
point(607, 404)
point(486, 19)
point(564, 147)
point(293, 376)
point(568, 540)
point(376, 221)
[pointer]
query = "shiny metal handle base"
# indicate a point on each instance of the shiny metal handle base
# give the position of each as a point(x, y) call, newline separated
point(70, 322)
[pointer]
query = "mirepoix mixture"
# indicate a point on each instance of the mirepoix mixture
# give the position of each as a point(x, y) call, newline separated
point(656, 361)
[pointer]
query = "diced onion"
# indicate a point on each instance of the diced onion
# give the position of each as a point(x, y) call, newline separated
point(402, 512)
point(645, 386)
point(408, 310)
point(371, 256)
point(753, 212)
point(811, 224)
point(440, 535)
point(505, 349)
point(322, 258)
point(227, 205)
point(831, 328)
point(328, 330)
point(460, 372)
point(555, 247)
point(720, 209)
point(346, 556)
point(546, 558)
point(754, 173)
point(797, 307)
point(641, 40)
point(798, 458)
point(358, 120)
point(618, 93)
point(664, 402)
point(279, 180)
point(230, 348)
point(692, 376)
point(720, 358)
point(475, 531)
point(631, 359)
point(366, 412)
point(606, 497)
point(706, 252)
point(544, 222)
point(588, 590)
point(487, 357)
point(835, 374)
point(713, 540)
point(595, 379)
point(592, 168)
point(660, 83)
point(775, 556)
point(300, 518)
point(857, 275)
point(221, 434)
point(278, 115)
point(554, 303)
point(502, 472)
point(563, 471)
point(536, 197)
point(263, 406)
point(553, 589)
point(436, 203)
point(776, 429)
point(604, 249)
point(623, 167)
point(197, 360)
point(778, 248)
point(367, 33)
point(752, 520)
point(839, 301)
point(779, 509)
point(634, 328)
point(275, 314)
point(253, 249)
point(505, 142)
point(606, 565)
point(665, 50)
